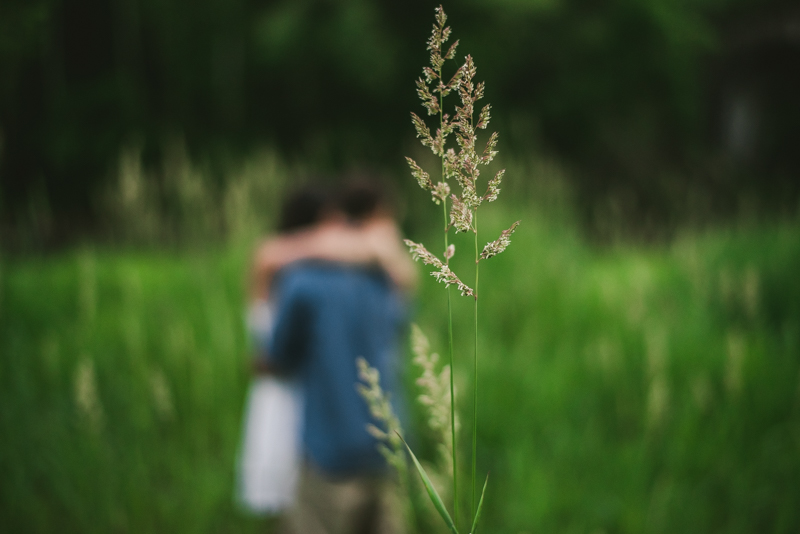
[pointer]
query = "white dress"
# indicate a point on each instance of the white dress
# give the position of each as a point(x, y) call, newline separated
point(269, 457)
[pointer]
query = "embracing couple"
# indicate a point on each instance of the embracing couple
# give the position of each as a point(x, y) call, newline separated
point(330, 288)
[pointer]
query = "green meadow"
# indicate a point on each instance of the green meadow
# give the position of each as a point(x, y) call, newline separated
point(639, 339)
point(623, 388)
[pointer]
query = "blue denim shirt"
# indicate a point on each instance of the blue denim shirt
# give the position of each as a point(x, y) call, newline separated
point(327, 315)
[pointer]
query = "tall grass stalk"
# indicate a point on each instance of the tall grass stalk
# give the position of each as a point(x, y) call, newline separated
point(439, 31)
point(452, 385)
point(463, 167)
point(475, 372)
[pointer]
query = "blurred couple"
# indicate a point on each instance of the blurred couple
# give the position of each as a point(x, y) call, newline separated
point(331, 287)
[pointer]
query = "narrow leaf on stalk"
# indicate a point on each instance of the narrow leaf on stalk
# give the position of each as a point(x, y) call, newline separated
point(480, 507)
point(435, 499)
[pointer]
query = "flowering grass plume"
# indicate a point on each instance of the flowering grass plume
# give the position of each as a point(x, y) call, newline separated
point(461, 163)
point(435, 395)
point(497, 246)
point(87, 399)
point(380, 408)
point(434, 399)
point(460, 183)
point(443, 272)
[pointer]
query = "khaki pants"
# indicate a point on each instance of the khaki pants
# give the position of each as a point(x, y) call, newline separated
point(355, 505)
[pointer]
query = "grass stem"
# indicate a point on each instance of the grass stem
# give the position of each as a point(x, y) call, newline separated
point(475, 382)
point(449, 330)
point(452, 387)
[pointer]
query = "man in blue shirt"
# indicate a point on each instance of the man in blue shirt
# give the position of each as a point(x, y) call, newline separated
point(329, 314)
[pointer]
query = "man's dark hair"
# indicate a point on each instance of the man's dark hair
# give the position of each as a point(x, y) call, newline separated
point(359, 198)
point(302, 207)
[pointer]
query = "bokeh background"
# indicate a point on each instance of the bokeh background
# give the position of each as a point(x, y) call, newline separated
point(640, 338)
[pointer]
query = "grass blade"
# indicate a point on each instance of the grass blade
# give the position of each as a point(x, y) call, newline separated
point(480, 506)
point(437, 501)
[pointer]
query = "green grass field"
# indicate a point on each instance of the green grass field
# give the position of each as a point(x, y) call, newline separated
point(622, 390)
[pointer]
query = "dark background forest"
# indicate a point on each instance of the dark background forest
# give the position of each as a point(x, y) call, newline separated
point(664, 112)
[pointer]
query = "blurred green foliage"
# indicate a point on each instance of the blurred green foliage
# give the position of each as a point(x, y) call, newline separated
point(123, 379)
point(624, 390)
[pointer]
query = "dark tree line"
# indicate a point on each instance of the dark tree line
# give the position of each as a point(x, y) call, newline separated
point(633, 93)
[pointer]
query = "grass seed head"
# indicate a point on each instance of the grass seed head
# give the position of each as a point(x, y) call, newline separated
point(444, 274)
point(460, 215)
point(448, 278)
point(434, 392)
point(484, 117)
point(493, 189)
point(489, 152)
point(440, 192)
point(381, 410)
point(429, 101)
point(423, 179)
point(497, 246)
point(87, 399)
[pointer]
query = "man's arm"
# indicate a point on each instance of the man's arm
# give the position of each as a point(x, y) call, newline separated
point(376, 242)
point(391, 255)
